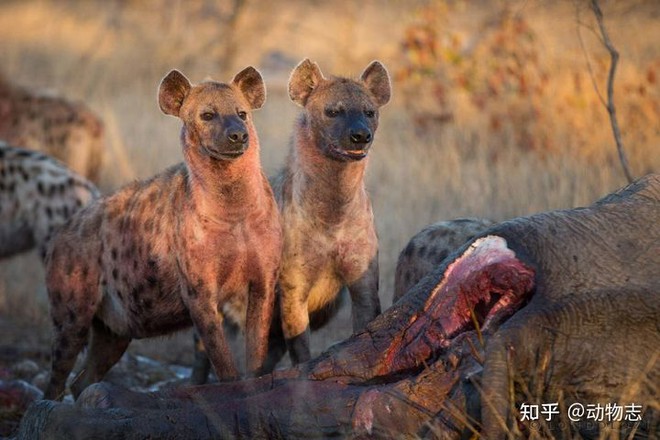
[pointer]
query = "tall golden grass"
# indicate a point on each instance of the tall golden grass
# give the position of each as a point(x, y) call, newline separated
point(494, 112)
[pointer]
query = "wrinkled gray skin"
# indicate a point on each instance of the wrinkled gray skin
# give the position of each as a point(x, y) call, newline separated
point(596, 309)
point(575, 313)
point(589, 332)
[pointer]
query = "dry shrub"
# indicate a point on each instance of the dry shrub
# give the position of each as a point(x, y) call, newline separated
point(501, 81)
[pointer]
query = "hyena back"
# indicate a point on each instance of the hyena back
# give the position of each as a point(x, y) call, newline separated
point(202, 237)
point(329, 234)
point(429, 247)
point(64, 129)
point(38, 194)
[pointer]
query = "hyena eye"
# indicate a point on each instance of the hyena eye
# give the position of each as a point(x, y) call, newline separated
point(369, 113)
point(331, 112)
point(242, 114)
point(207, 116)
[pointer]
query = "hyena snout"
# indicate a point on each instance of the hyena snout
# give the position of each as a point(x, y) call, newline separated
point(236, 135)
point(355, 141)
point(360, 137)
point(232, 140)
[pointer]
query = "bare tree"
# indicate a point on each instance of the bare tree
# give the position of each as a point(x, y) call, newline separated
point(609, 104)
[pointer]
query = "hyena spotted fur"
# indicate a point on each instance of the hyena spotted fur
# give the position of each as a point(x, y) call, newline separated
point(200, 239)
point(64, 129)
point(429, 247)
point(330, 239)
point(38, 194)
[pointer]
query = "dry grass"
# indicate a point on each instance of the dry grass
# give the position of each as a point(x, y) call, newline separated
point(460, 138)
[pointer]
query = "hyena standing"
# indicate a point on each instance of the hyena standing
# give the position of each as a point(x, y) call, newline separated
point(430, 246)
point(197, 240)
point(37, 195)
point(67, 130)
point(329, 234)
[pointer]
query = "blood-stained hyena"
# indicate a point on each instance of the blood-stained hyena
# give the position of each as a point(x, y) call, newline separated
point(329, 234)
point(184, 247)
point(429, 247)
point(37, 195)
point(64, 129)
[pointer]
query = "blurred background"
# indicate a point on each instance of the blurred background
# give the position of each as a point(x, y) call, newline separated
point(494, 114)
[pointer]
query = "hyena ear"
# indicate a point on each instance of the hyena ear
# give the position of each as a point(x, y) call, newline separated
point(377, 80)
point(172, 91)
point(304, 79)
point(251, 84)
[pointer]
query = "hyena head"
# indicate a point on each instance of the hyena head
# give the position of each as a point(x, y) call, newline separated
point(216, 116)
point(342, 114)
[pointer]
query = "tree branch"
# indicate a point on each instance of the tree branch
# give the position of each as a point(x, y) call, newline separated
point(611, 109)
point(592, 75)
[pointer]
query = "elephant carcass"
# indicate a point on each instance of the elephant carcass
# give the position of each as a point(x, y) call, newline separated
point(559, 305)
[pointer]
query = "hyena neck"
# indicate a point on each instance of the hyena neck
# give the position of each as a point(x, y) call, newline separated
point(330, 189)
point(227, 189)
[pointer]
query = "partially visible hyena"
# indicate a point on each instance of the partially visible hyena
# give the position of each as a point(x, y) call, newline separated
point(198, 241)
point(67, 130)
point(429, 247)
point(329, 234)
point(37, 195)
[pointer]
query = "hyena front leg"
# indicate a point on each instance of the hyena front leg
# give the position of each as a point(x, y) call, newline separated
point(276, 340)
point(364, 297)
point(295, 321)
point(208, 323)
point(261, 304)
point(201, 365)
point(105, 350)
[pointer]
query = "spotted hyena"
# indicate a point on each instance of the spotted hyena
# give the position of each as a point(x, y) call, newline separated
point(66, 130)
point(329, 234)
point(190, 245)
point(37, 195)
point(429, 247)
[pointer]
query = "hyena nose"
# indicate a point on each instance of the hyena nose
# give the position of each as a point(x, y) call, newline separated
point(237, 136)
point(361, 136)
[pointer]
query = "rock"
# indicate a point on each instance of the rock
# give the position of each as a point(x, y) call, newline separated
point(15, 397)
point(41, 380)
point(25, 369)
point(17, 394)
point(141, 373)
